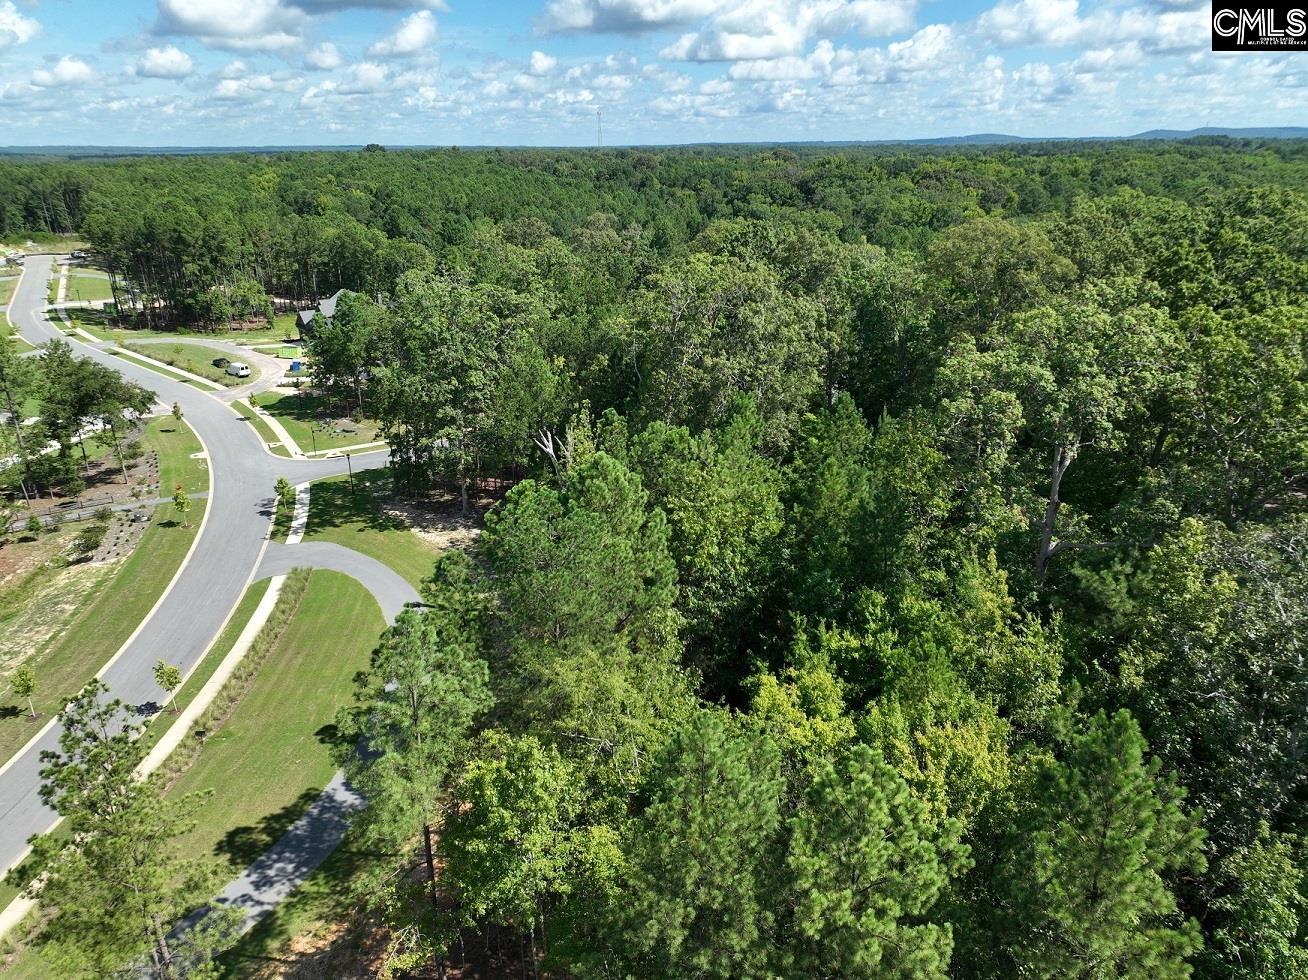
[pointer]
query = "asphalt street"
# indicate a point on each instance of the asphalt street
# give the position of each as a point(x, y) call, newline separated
point(225, 558)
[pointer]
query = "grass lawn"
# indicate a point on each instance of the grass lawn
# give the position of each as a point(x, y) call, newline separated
point(111, 610)
point(304, 414)
point(166, 372)
point(85, 289)
point(28, 963)
point(196, 358)
point(271, 757)
point(354, 519)
point(262, 427)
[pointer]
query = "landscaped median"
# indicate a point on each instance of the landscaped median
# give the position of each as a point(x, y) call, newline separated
point(100, 619)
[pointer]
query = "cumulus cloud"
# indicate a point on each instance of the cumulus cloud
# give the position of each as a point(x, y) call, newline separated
point(67, 71)
point(415, 33)
point(15, 28)
point(251, 86)
point(626, 16)
point(251, 25)
point(758, 29)
point(541, 63)
point(325, 57)
point(166, 62)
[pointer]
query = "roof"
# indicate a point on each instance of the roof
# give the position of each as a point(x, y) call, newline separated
point(327, 307)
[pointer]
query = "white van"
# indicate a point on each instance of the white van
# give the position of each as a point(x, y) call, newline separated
point(239, 370)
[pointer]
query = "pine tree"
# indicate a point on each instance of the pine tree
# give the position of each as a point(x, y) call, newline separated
point(115, 884)
point(704, 856)
point(1087, 884)
point(867, 864)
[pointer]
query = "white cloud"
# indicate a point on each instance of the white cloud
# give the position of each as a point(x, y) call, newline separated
point(68, 70)
point(250, 25)
point(415, 33)
point(626, 16)
point(1032, 22)
point(759, 29)
point(166, 62)
point(364, 78)
point(325, 57)
point(541, 63)
point(234, 69)
point(15, 28)
point(244, 89)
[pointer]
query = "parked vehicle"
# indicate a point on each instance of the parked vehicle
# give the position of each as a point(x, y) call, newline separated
point(238, 369)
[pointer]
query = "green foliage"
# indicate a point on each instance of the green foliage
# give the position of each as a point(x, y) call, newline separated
point(1086, 885)
point(867, 863)
point(116, 886)
point(704, 855)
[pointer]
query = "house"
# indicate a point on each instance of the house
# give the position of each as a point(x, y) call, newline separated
point(327, 307)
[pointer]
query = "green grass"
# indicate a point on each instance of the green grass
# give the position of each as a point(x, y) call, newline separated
point(303, 414)
point(166, 372)
point(28, 961)
point(261, 427)
point(196, 358)
point(87, 289)
point(272, 756)
point(353, 518)
point(107, 616)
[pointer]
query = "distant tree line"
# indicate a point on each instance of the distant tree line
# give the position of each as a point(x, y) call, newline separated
point(904, 568)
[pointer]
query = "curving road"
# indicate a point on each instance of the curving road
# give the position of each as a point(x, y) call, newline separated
point(226, 556)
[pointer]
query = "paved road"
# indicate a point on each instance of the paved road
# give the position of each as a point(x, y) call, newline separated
point(226, 555)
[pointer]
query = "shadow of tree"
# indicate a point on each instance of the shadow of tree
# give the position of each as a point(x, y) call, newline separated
point(10, 711)
point(334, 504)
point(243, 844)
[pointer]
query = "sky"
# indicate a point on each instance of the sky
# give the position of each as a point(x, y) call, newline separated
point(546, 72)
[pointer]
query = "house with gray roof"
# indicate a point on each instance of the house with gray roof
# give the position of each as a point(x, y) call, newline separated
point(327, 307)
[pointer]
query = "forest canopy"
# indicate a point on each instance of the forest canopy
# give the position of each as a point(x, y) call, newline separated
point(904, 566)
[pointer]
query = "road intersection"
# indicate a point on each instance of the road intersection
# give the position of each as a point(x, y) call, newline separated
point(231, 550)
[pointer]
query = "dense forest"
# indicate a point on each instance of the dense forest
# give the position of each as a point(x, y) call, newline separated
point(904, 571)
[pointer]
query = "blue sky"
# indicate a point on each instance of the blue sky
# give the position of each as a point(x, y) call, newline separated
point(262, 72)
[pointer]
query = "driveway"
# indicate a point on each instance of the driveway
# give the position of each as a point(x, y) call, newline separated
point(223, 561)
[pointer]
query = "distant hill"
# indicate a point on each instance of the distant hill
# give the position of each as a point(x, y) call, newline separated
point(973, 139)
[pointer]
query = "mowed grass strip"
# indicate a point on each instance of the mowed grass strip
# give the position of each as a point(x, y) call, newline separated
point(87, 289)
point(301, 414)
point(354, 518)
point(110, 612)
point(271, 757)
point(196, 358)
point(263, 428)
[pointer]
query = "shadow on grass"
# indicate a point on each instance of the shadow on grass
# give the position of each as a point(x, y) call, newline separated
point(10, 711)
point(243, 844)
point(329, 895)
point(335, 504)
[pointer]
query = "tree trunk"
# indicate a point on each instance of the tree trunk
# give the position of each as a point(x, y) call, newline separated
point(1063, 457)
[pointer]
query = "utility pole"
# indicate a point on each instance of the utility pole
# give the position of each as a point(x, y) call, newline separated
point(599, 127)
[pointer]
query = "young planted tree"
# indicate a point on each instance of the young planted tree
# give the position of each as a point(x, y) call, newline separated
point(285, 493)
point(177, 411)
point(169, 678)
point(182, 503)
point(24, 685)
point(115, 885)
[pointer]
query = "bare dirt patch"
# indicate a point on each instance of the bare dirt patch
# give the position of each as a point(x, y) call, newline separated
point(49, 606)
point(440, 526)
